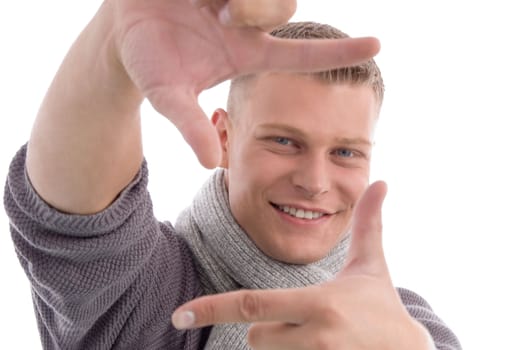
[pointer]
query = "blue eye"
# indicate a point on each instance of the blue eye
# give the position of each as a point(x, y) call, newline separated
point(346, 153)
point(282, 140)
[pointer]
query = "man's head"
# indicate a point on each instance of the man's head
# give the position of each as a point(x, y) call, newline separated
point(297, 151)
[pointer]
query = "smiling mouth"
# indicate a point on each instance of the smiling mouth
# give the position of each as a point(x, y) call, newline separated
point(299, 213)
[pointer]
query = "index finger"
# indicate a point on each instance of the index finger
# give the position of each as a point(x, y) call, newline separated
point(244, 306)
point(309, 55)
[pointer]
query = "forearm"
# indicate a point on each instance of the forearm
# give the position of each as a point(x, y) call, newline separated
point(85, 146)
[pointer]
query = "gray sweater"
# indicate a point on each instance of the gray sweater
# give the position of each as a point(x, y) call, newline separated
point(112, 280)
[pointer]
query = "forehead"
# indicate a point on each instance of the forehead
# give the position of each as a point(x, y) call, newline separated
point(309, 104)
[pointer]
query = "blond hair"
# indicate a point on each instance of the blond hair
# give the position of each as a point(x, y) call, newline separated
point(366, 73)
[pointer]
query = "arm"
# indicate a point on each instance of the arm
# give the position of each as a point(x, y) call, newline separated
point(85, 146)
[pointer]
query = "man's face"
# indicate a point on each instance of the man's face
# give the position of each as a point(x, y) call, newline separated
point(298, 156)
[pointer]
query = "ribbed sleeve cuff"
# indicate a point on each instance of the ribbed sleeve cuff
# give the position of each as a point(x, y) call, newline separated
point(20, 193)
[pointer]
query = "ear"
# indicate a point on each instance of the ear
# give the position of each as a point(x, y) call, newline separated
point(221, 122)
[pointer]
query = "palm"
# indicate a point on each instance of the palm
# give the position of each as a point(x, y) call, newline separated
point(175, 44)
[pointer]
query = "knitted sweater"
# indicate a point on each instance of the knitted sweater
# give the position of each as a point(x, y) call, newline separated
point(112, 280)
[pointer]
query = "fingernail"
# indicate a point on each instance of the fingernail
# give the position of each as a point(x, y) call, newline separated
point(224, 15)
point(184, 319)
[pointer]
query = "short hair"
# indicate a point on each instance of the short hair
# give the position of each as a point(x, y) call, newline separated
point(366, 73)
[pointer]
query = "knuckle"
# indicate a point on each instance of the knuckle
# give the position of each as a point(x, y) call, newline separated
point(250, 306)
point(331, 312)
point(207, 312)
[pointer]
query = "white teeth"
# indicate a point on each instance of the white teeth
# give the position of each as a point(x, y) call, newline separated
point(300, 213)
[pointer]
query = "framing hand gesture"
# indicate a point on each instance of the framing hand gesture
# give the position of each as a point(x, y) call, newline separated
point(359, 309)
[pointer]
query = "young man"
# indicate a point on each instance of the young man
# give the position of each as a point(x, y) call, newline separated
point(294, 149)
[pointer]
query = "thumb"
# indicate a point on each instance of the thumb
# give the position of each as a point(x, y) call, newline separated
point(182, 109)
point(366, 255)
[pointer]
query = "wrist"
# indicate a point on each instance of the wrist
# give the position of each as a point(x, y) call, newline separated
point(111, 78)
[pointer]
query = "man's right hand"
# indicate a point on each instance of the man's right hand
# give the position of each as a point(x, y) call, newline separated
point(174, 49)
point(86, 145)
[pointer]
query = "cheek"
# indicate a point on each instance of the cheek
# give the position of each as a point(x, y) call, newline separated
point(354, 186)
point(248, 180)
point(259, 167)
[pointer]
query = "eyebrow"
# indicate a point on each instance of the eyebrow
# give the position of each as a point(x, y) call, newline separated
point(295, 131)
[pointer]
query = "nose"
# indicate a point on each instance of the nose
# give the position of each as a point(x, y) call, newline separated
point(312, 176)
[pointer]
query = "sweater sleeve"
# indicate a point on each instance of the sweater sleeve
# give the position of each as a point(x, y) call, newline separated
point(419, 309)
point(105, 281)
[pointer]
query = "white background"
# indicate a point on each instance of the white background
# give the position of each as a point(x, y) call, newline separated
point(450, 145)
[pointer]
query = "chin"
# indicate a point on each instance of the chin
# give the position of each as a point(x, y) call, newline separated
point(298, 257)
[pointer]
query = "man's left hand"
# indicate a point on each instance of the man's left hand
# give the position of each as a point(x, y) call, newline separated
point(360, 309)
